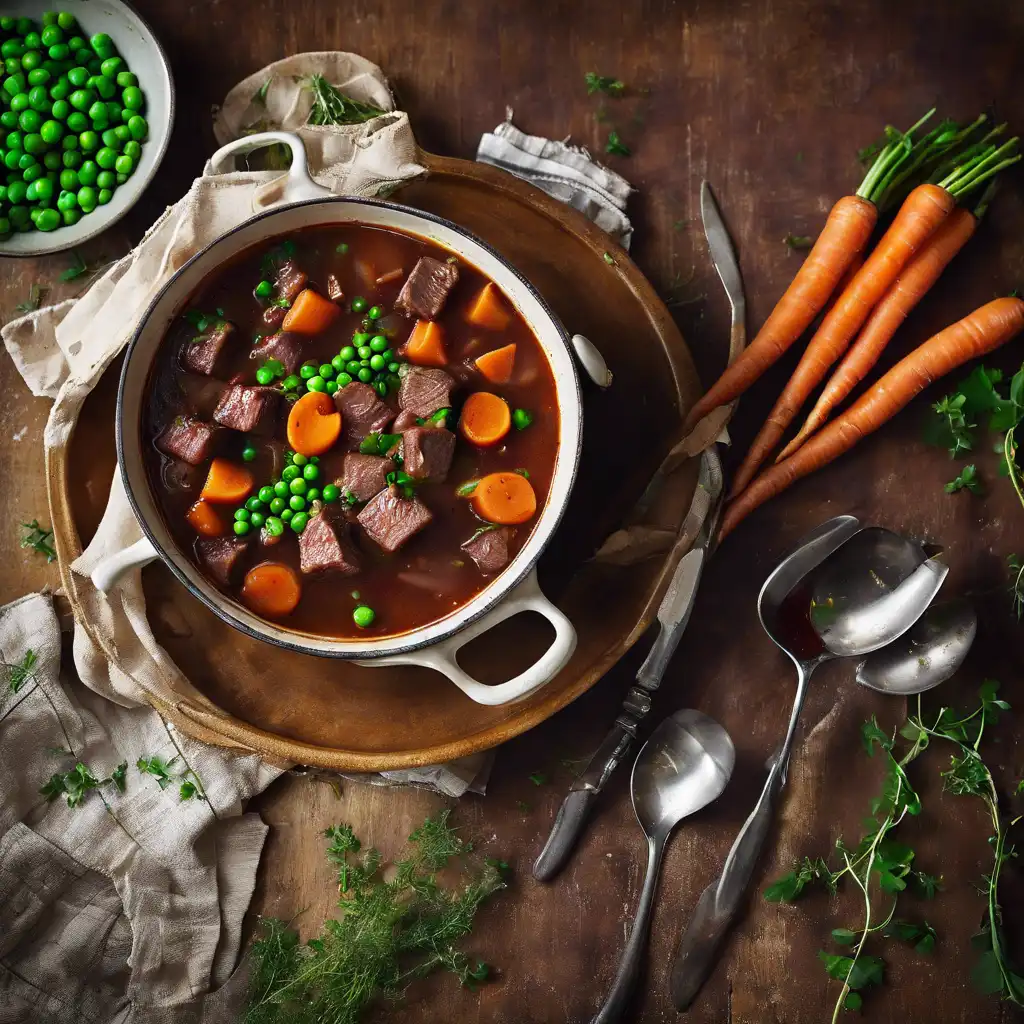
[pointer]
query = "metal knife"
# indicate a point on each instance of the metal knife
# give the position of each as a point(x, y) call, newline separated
point(673, 615)
point(677, 603)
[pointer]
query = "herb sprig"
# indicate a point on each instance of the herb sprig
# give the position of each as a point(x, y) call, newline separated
point(77, 783)
point(333, 107)
point(161, 770)
point(603, 83)
point(392, 928)
point(19, 674)
point(39, 539)
point(31, 304)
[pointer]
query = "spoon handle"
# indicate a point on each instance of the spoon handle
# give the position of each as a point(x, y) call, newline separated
point(718, 904)
point(629, 967)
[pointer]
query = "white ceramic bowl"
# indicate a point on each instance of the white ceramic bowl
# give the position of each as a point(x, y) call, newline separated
point(306, 204)
point(135, 42)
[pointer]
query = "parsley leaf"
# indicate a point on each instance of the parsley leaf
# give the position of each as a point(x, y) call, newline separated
point(604, 84)
point(967, 479)
point(38, 539)
point(31, 304)
point(17, 675)
point(799, 241)
point(538, 778)
point(77, 268)
point(159, 768)
point(616, 146)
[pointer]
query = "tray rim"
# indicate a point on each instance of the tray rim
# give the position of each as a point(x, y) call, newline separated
point(205, 721)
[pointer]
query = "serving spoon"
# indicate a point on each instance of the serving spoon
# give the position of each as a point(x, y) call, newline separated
point(682, 768)
point(926, 655)
point(845, 591)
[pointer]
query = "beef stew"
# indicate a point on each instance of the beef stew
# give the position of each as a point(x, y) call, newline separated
point(370, 431)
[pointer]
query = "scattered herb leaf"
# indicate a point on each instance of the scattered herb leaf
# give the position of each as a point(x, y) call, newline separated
point(466, 489)
point(616, 146)
point(538, 778)
point(603, 83)
point(18, 675)
point(35, 295)
point(607, 257)
point(159, 768)
point(966, 479)
point(799, 241)
point(38, 539)
point(77, 268)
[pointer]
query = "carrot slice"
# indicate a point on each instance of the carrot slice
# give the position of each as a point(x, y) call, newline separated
point(497, 366)
point(485, 419)
point(425, 346)
point(314, 423)
point(488, 309)
point(310, 313)
point(271, 589)
point(505, 498)
point(203, 518)
point(226, 482)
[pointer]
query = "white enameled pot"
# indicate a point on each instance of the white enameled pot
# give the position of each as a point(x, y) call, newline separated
point(301, 204)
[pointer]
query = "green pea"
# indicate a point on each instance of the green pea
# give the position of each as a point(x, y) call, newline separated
point(278, 505)
point(307, 370)
point(19, 215)
point(114, 112)
point(298, 459)
point(122, 134)
point(105, 87)
point(59, 52)
point(378, 343)
point(377, 363)
point(69, 180)
point(38, 76)
point(32, 60)
point(16, 192)
point(316, 383)
point(352, 368)
point(310, 472)
point(298, 485)
point(48, 220)
point(19, 102)
point(25, 160)
point(34, 143)
point(365, 374)
point(82, 99)
point(3, 193)
point(364, 351)
point(41, 188)
point(363, 616)
point(7, 23)
point(332, 387)
point(67, 201)
point(521, 419)
point(126, 78)
point(9, 119)
point(138, 126)
point(242, 515)
point(331, 493)
point(299, 521)
point(90, 143)
point(76, 43)
point(257, 520)
point(104, 196)
point(13, 140)
point(286, 515)
point(77, 121)
point(60, 90)
point(389, 356)
point(51, 131)
point(29, 121)
point(39, 99)
point(51, 34)
point(249, 455)
point(297, 503)
point(274, 526)
point(254, 504)
point(313, 494)
point(106, 158)
point(71, 216)
point(264, 290)
point(288, 474)
point(12, 65)
point(358, 304)
point(78, 77)
point(33, 173)
point(380, 387)
point(264, 376)
point(98, 112)
point(374, 313)
point(327, 371)
point(60, 110)
point(71, 157)
point(106, 179)
point(343, 380)
point(291, 382)
point(347, 353)
point(241, 528)
point(87, 198)
point(88, 173)
point(32, 40)
point(14, 84)
point(51, 160)
point(281, 489)
point(132, 98)
point(66, 20)
point(12, 48)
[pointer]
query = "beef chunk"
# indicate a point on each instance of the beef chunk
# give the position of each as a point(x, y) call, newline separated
point(249, 409)
point(221, 555)
point(403, 421)
point(425, 290)
point(324, 545)
point(362, 476)
point(424, 390)
point(334, 290)
point(285, 348)
point(203, 353)
point(427, 452)
point(362, 411)
point(273, 316)
point(489, 549)
point(187, 439)
point(289, 280)
point(390, 520)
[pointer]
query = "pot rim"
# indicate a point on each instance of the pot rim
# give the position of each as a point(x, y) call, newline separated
point(502, 585)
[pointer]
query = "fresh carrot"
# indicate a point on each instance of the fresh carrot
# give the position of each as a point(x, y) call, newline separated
point(488, 309)
point(203, 518)
point(425, 346)
point(504, 498)
point(226, 482)
point(310, 313)
point(980, 332)
point(919, 216)
point(485, 419)
point(314, 423)
point(917, 278)
point(497, 365)
point(271, 589)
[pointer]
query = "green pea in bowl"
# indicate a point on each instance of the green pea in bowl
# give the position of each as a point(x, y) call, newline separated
point(86, 108)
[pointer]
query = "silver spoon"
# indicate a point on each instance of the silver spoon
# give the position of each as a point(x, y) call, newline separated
point(926, 655)
point(682, 768)
point(868, 587)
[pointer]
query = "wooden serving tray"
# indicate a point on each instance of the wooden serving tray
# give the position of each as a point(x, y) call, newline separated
point(334, 714)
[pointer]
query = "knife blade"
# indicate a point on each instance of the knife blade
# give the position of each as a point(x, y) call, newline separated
point(723, 256)
point(672, 617)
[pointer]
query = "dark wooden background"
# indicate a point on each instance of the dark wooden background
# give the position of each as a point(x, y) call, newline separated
point(770, 101)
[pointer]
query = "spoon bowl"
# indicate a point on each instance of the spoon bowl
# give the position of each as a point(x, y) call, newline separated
point(683, 767)
point(926, 655)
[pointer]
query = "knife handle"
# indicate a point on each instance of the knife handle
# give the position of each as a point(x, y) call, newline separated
point(568, 825)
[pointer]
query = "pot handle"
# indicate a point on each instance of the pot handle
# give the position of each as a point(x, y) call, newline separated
point(441, 656)
point(108, 573)
point(296, 185)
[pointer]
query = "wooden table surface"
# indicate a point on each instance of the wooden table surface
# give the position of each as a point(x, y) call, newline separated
point(769, 101)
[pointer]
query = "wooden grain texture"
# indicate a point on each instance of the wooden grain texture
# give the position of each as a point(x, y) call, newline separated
point(769, 99)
